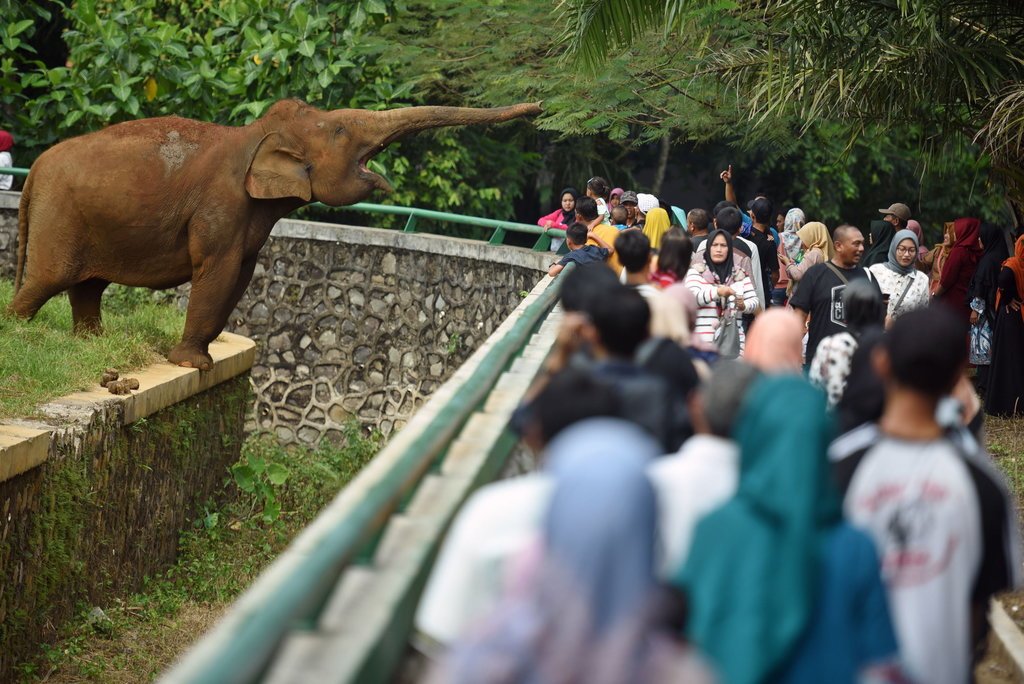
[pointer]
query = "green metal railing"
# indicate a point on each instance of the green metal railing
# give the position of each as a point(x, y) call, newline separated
point(294, 600)
point(413, 214)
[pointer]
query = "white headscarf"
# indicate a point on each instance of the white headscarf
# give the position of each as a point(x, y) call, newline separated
point(794, 221)
point(646, 202)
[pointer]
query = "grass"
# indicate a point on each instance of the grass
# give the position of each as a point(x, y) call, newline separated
point(41, 359)
point(223, 553)
point(1005, 437)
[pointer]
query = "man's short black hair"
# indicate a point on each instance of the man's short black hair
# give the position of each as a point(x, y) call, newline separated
point(586, 208)
point(633, 249)
point(729, 219)
point(927, 350)
point(722, 205)
point(762, 210)
point(864, 306)
point(585, 284)
point(698, 219)
point(576, 234)
point(622, 319)
point(572, 395)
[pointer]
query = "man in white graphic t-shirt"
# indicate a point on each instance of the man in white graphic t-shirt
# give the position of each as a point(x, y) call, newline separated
point(937, 510)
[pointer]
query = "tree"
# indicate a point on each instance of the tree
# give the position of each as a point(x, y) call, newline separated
point(951, 69)
point(227, 61)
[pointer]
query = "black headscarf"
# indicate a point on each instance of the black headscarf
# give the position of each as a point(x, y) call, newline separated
point(724, 269)
point(882, 233)
point(983, 284)
point(568, 217)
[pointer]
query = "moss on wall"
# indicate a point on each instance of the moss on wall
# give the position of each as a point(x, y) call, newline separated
point(105, 511)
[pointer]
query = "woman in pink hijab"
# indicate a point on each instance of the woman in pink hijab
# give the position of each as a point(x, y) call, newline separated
point(775, 342)
point(915, 228)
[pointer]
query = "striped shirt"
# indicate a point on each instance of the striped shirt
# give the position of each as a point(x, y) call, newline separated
point(702, 282)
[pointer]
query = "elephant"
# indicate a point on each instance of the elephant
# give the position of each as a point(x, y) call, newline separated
point(158, 202)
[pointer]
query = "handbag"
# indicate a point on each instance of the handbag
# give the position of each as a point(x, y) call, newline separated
point(981, 342)
point(727, 336)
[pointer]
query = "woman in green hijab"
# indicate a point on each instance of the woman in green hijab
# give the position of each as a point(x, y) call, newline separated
point(780, 588)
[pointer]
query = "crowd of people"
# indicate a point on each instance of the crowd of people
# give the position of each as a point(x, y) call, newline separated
point(761, 457)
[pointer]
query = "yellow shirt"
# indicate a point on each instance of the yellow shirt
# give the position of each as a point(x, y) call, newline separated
point(608, 233)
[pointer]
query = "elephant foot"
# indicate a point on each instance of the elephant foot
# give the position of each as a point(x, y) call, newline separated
point(87, 328)
point(190, 356)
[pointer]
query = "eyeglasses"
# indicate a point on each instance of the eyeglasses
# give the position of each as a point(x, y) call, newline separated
point(906, 250)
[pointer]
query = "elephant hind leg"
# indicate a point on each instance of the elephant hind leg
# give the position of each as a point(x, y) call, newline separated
point(85, 305)
point(31, 296)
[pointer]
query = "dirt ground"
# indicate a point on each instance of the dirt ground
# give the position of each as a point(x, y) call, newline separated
point(150, 649)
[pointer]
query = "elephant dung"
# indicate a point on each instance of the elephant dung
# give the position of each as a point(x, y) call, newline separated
point(124, 386)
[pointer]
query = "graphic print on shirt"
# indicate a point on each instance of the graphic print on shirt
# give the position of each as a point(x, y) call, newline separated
point(838, 308)
point(915, 548)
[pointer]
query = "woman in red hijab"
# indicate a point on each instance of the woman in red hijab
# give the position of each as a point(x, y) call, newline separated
point(6, 143)
point(960, 266)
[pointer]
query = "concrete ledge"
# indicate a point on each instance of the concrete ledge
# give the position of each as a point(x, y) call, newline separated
point(21, 448)
point(1006, 643)
point(441, 245)
point(26, 444)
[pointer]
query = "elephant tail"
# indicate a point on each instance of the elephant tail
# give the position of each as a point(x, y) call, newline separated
point(26, 196)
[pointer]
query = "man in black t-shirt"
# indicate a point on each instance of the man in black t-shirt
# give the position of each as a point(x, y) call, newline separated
point(820, 294)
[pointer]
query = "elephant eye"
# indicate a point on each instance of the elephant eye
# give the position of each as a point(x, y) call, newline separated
point(338, 131)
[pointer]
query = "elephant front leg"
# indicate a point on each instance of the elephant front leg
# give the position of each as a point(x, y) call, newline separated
point(214, 285)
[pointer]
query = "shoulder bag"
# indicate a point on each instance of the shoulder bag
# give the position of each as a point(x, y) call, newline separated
point(910, 283)
point(727, 336)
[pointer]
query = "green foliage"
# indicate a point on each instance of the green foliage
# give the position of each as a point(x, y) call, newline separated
point(785, 89)
point(454, 344)
point(224, 61)
point(668, 82)
point(932, 74)
point(259, 477)
point(136, 331)
point(227, 61)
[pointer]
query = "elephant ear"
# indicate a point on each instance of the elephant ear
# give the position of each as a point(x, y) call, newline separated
point(277, 171)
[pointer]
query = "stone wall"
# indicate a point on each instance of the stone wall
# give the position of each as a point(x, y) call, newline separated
point(357, 323)
point(8, 234)
point(106, 507)
point(364, 323)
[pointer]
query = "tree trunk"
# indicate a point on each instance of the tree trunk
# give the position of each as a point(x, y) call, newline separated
point(659, 171)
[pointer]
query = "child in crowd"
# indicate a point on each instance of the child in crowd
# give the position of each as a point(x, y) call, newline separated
point(599, 190)
point(580, 252)
point(619, 216)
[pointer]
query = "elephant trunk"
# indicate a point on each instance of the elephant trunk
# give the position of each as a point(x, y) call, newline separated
point(392, 124)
